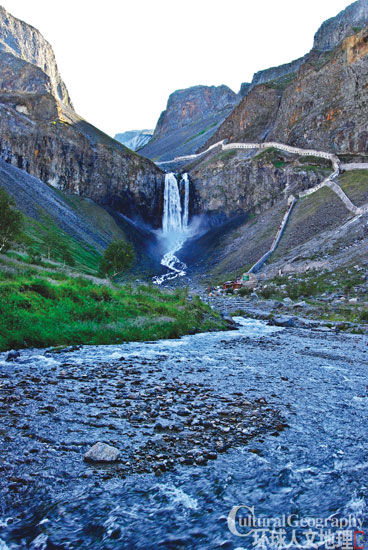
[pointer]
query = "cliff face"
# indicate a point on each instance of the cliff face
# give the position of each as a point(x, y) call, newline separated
point(191, 117)
point(41, 134)
point(275, 73)
point(345, 23)
point(326, 107)
point(322, 106)
point(231, 183)
point(186, 106)
point(134, 139)
point(252, 119)
point(27, 43)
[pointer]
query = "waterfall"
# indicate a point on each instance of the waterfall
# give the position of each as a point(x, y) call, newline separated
point(185, 219)
point(171, 221)
point(175, 221)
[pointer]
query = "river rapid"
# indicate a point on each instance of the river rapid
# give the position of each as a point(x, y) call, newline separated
point(298, 397)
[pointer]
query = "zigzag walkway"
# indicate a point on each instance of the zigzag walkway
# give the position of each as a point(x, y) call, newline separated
point(327, 182)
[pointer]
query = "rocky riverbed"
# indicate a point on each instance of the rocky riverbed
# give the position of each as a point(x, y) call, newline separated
point(265, 416)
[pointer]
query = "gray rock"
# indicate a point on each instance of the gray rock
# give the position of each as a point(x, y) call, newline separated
point(276, 305)
point(12, 355)
point(283, 321)
point(335, 29)
point(229, 321)
point(300, 305)
point(101, 452)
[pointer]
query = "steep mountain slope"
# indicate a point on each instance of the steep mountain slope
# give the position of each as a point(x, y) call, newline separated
point(230, 183)
point(321, 235)
point(319, 101)
point(134, 139)
point(345, 23)
point(27, 43)
point(191, 117)
point(88, 227)
point(41, 133)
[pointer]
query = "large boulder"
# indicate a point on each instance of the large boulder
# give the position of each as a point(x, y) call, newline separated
point(101, 452)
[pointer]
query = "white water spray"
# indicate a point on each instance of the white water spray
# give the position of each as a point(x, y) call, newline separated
point(186, 201)
point(174, 227)
point(171, 221)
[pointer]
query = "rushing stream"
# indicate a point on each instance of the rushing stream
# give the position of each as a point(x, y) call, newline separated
point(55, 405)
point(175, 229)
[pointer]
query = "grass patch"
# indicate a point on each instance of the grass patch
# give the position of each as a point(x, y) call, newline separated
point(39, 311)
point(271, 155)
point(314, 161)
point(200, 133)
point(86, 258)
point(282, 82)
point(355, 184)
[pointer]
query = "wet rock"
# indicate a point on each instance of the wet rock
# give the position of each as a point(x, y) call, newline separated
point(276, 305)
point(283, 321)
point(220, 446)
point(300, 305)
point(161, 425)
point(12, 355)
point(101, 452)
point(231, 324)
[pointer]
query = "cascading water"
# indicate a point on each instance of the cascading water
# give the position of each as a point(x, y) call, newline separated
point(172, 218)
point(186, 201)
point(174, 226)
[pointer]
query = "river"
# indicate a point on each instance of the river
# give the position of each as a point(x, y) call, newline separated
point(302, 393)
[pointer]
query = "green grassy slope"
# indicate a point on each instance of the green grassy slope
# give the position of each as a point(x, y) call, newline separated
point(49, 308)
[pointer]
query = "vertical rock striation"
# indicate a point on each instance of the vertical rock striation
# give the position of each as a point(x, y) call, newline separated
point(41, 133)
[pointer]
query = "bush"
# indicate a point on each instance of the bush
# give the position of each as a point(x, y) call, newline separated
point(364, 315)
point(266, 292)
point(118, 256)
point(11, 221)
point(245, 291)
point(43, 288)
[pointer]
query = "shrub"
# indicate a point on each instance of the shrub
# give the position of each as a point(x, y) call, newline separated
point(266, 292)
point(43, 288)
point(245, 291)
point(118, 256)
point(11, 221)
point(364, 315)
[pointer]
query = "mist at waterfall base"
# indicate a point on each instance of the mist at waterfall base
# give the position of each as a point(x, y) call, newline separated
point(175, 226)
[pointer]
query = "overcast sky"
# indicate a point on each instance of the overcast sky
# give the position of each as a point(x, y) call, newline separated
point(120, 59)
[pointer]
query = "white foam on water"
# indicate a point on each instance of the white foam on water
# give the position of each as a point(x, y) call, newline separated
point(255, 327)
point(175, 228)
point(39, 543)
point(178, 496)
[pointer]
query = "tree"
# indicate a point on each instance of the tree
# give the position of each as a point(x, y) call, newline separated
point(57, 246)
point(11, 221)
point(118, 256)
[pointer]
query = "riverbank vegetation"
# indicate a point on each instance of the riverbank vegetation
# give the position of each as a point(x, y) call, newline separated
point(50, 308)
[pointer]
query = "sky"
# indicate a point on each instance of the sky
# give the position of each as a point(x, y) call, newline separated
point(120, 59)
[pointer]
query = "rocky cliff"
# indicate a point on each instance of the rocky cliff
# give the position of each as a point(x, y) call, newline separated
point(41, 134)
point(347, 22)
point(191, 117)
point(323, 105)
point(134, 139)
point(326, 106)
point(27, 43)
point(230, 183)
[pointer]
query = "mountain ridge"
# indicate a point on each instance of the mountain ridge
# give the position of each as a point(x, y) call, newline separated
point(43, 135)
